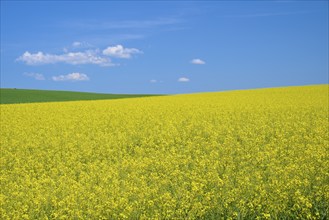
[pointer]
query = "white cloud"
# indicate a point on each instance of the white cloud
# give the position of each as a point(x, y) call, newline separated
point(83, 44)
point(183, 79)
point(153, 81)
point(71, 77)
point(36, 76)
point(87, 57)
point(74, 58)
point(198, 61)
point(120, 52)
point(76, 44)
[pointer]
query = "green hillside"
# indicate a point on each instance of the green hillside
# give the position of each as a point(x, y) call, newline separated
point(11, 96)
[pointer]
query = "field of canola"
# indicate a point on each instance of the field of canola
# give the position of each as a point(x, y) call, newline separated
point(256, 154)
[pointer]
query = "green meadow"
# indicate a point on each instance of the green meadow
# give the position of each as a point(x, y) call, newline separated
point(12, 96)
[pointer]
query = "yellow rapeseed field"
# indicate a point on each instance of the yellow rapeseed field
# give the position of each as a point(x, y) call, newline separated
point(255, 154)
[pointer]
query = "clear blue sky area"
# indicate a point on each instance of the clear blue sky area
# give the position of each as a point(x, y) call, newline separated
point(163, 47)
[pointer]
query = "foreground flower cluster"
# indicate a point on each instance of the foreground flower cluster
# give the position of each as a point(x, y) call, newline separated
point(257, 154)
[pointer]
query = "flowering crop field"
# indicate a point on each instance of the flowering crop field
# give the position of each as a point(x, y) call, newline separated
point(254, 154)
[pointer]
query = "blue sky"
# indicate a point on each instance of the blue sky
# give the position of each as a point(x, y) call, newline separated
point(163, 47)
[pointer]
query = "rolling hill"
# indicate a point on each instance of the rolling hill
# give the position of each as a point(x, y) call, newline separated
point(251, 154)
point(12, 96)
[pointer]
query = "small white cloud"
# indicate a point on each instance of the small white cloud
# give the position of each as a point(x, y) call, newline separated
point(198, 61)
point(120, 52)
point(153, 81)
point(36, 76)
point(74, 58)
point(183, 79)
point(71, 77)
point(76, 44)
